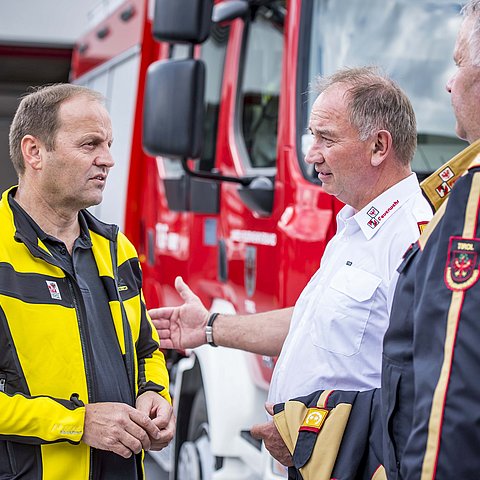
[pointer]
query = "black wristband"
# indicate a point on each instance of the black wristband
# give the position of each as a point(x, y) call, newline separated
point(209, 329)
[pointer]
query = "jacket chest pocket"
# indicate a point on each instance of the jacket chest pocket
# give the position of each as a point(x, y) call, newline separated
point(344, 312)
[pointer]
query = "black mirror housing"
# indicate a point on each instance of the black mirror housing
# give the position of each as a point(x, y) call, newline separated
point(173, 110)
point(182, 21)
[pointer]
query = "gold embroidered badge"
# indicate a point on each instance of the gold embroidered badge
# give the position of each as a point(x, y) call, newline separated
point(462, 270)
point(314, 419)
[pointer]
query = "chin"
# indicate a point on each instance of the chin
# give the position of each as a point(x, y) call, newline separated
point(89, 202)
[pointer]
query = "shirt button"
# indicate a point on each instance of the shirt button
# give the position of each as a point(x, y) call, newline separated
point(63, 250)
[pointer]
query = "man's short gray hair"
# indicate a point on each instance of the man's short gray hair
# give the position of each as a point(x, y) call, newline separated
point(472, 10)
point(37, 115)
point(376, 102)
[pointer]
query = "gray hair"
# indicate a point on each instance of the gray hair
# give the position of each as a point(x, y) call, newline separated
point(37, 115)
point(472, 10)
point(375, 102)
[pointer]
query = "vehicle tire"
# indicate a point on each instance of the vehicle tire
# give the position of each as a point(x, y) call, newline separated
point(195, 459)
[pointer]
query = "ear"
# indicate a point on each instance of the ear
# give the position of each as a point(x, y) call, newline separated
point(381, 147)
point(32, 151)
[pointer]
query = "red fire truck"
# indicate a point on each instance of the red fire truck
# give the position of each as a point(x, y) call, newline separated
point(224, 198)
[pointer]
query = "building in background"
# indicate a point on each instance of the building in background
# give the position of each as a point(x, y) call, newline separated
point(36, 42)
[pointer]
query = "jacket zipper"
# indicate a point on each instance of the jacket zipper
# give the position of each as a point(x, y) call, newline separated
point(85, 352)
point(3, 382)
point(127, 334)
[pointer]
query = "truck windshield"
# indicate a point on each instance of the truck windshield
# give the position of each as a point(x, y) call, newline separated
point(411, 40)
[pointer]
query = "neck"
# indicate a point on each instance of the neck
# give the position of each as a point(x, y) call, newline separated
point(381, 183)
point(50, 217)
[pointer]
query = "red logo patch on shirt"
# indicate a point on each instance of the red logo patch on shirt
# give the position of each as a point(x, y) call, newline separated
point(462, 270)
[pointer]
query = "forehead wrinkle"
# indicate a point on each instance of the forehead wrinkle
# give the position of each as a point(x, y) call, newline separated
point(86, 121)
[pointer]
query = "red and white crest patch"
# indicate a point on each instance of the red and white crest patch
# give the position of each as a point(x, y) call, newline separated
point(54, 290)
point(446, 174)
point(462, 269)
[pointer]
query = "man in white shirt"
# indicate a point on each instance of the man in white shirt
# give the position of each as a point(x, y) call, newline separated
point(364, 133)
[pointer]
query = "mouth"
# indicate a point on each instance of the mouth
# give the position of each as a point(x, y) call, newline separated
point(322, 173)
point(100, 178)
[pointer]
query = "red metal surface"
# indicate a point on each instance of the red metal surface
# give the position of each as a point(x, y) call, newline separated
point(91, 51)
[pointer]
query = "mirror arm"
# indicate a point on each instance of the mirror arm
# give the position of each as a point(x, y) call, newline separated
point(215, 177)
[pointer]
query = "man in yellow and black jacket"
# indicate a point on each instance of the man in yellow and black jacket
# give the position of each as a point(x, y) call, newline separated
point(83, 386)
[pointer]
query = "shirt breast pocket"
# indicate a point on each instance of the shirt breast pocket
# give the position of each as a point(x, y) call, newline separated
point(343, 315)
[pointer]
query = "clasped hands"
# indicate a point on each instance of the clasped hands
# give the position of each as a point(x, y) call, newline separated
point(126, 430)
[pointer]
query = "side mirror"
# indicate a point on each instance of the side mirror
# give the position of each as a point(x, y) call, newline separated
point(173, 108)
point(182, 21)
point(231, 10)
point(258, 195)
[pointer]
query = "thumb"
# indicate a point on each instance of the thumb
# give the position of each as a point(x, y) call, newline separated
point(269, 409)
point(256, 432)
point(184, 290)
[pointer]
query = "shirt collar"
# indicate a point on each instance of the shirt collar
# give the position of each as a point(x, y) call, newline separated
point(27, 221)
point(375, 214)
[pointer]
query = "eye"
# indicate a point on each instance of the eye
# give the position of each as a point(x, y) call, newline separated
point(327, 141)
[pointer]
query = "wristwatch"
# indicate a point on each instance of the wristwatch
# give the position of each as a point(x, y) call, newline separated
point(209, 329)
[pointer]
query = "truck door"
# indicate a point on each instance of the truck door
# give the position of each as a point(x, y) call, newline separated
point(247, 146)
point(180, 234)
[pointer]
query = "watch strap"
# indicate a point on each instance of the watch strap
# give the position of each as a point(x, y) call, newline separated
point(209, 329)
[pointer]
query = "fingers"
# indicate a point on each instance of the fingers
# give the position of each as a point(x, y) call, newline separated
point(161, 324)
point(146, 424)
point(160, 411)
point(273, 442)
point(166, 435)
point(135, 438)
point(166, 424)
point(118, 428)
point(165, 342)
point(162, 313)
point(164, 333)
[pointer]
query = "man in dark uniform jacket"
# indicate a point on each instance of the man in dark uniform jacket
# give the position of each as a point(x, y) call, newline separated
point(429, 425)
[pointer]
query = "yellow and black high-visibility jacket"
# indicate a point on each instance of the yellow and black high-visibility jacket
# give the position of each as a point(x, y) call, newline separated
point(44, 369)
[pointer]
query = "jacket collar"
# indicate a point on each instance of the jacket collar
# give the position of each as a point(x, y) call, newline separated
point(22, 229)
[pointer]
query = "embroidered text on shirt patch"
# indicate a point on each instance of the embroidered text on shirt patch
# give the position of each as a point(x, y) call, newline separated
point(376, 218)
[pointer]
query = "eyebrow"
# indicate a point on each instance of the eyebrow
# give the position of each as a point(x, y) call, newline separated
point(322, 131)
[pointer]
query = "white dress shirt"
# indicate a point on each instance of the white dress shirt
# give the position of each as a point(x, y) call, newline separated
point(339, 320)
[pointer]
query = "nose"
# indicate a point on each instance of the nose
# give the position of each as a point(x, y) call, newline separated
point(104, 158)
point(314, 155)
point(449, 84)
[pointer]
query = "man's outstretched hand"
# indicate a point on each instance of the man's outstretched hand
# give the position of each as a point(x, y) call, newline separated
point(181, 327)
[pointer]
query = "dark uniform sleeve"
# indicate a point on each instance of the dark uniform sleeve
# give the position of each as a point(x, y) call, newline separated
point(333, 434)
point(445, 437)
